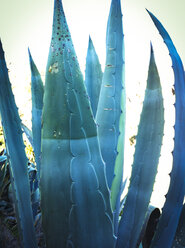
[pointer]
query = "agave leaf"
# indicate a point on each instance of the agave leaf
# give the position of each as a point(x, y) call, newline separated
point(17, 157)
point(93, 76)
point(146, 157)
point(37, 90)
point(88, 212)
point(69, 143)
point(179, 240)
point(28, 133)
point(110, 115)
point(174, 199)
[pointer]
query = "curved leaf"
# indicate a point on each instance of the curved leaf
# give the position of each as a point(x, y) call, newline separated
point(174, 199)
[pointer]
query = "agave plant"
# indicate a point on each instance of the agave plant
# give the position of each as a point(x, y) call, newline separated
point(78, 132)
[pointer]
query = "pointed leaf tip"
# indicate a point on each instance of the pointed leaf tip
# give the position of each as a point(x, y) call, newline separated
point(151, 48)
point(29, 52)
point(153, 81)
point(161, 29)
point(58, 5)
point(30, 57)
point(91, 46)
point(32, 64)
point(150, 13)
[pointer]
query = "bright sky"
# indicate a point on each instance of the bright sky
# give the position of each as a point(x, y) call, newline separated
point(28, 23)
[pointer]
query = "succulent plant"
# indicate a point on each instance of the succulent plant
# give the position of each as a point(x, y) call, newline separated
point(78, 133)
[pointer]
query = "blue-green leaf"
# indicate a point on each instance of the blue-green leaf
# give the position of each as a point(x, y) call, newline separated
point(17, 157)
point(174, 199)
point(90, 224)
point(93, 76)
point(110, 115)
point(146, 157)
point(37, 90)
point(69, 131)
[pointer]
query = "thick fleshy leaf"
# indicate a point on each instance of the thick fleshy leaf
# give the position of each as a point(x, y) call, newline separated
point(93, 76)
point(37, 91)
point(110, 115)
point(90, 225)
point(71, 159)
point(174, 199)
point(17, 157)
point(146, 157)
